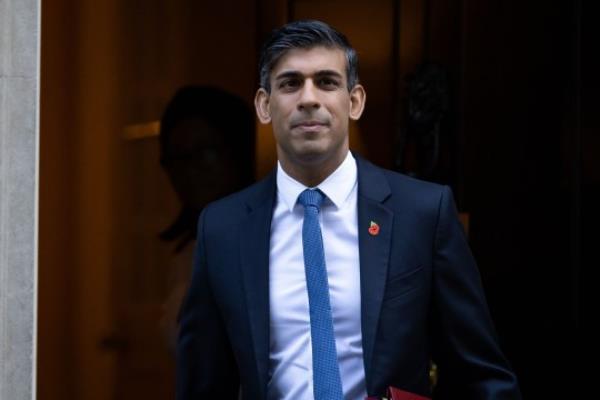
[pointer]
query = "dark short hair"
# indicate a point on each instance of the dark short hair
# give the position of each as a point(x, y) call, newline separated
point(304, 35)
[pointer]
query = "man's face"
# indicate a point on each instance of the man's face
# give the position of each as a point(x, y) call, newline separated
point(310, 106)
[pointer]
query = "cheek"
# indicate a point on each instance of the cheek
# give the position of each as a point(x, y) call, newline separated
point(279, 127)
point(339, 115)
point(340, 108)
point(279, 108)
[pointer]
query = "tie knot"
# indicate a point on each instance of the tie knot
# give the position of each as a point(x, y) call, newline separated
point(311, 197)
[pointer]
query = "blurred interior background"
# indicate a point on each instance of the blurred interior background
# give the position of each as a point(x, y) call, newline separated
point(483, 95)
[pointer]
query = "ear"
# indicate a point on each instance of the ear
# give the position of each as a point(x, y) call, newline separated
point(261, 104)
point(358, 97)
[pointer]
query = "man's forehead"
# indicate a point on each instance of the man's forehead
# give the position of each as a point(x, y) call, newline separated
point(312, 60)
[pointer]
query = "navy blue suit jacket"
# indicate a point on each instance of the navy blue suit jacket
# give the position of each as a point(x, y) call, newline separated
point(421, 294)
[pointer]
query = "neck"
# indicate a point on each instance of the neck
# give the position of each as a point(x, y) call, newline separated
point(312, 174)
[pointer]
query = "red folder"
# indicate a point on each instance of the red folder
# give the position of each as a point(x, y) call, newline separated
point(397, 394)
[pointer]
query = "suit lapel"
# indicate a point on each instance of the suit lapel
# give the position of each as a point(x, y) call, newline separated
point(254, 252)
point(374, 249)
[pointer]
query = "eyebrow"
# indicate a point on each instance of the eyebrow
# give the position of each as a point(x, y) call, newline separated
point(296, 74)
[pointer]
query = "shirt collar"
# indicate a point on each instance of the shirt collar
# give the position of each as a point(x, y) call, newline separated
point(337, 186)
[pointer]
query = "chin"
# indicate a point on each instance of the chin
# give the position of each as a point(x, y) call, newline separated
point(312, 155)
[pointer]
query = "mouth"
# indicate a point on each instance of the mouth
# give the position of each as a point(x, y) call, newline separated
point(310, 125)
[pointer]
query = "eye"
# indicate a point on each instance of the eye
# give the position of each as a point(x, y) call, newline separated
point(329, 83)
point(289, 84)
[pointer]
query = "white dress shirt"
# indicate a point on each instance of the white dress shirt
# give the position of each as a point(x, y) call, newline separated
point(290, 367)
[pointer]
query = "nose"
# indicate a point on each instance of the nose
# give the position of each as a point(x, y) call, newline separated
point(309, 99)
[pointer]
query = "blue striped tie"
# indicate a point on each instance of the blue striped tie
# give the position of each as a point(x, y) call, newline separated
point(327, 384)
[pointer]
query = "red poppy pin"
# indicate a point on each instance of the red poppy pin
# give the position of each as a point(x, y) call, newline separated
point(374, 228)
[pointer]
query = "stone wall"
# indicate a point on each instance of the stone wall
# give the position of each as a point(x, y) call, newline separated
point(19, 129)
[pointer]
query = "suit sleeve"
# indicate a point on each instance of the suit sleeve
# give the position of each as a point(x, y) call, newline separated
point(206, 368)
point(465, 346)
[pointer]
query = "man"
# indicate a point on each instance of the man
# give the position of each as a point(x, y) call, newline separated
point(332, 278)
